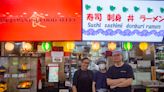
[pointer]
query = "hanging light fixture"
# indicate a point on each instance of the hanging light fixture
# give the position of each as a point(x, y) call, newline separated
point(9, 46)
point(112, 46)
point(95, 46)
point(143, 46)
point(46, 46)
point(26, 46)
point(58, 44)
point(69, 46)
point(127, 46)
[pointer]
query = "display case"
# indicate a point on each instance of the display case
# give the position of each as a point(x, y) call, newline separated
point(70, 66)
point(21, 74)
point(159, 60)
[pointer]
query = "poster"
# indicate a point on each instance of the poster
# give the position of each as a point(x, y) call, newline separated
point(53, 73)
point(123, 20)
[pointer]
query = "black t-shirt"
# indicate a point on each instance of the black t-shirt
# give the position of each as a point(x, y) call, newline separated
point(125, 71)
point(83, 80)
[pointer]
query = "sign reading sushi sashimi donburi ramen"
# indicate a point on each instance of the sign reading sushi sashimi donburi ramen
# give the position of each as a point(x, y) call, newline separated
point(40, 20)
point(123, 20)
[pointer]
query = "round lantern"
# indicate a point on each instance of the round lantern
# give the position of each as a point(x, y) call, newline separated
point(69, 46)
point(58, 44)
point(9, 46)
point(128, 46)
point(112, 46)
point(95, 46)
point(26, 46)
point(143, 46)
point(46, 46)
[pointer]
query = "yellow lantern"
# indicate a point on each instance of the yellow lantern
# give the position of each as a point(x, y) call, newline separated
point(69, 46)
point(143, 46)
point(112, 46)
point(95, 46)
point(26, 46)
point(58, 44)
point(9, 46)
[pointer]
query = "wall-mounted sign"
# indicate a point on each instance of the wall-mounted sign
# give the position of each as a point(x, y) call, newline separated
point(35, 20)
point(123, 20)
point(57, 56)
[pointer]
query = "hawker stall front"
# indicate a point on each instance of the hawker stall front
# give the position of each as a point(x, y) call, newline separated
point(24, 25)
point(139, 24)
point(42, 42)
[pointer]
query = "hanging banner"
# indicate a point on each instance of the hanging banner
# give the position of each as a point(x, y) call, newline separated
point(38, 20)
point(123, 20)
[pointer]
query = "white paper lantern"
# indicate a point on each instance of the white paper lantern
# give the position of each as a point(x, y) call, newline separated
point(95, 46)
point(9, 46)
point(26, 46)
point(112, 46)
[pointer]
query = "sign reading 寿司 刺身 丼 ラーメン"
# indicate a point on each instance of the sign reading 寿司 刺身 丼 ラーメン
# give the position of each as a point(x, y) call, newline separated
point(38, 20)
point(123, 20)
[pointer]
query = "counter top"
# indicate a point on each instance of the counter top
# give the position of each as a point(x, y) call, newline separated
point(160, 71)
point(154, 86)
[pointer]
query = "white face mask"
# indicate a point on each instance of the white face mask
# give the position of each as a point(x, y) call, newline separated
point(102, 66)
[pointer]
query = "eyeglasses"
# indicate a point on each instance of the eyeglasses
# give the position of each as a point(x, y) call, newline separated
point(86, 62)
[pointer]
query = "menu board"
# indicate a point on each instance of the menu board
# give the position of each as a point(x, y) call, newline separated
point(123, 20)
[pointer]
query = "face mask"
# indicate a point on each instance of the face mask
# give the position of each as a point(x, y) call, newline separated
point(102, 66)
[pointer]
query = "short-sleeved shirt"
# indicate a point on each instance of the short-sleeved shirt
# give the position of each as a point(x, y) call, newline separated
point(83, 80)
point(125, 71)
point(100, 79)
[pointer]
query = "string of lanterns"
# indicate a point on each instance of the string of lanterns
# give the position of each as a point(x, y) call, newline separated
point(69, 46)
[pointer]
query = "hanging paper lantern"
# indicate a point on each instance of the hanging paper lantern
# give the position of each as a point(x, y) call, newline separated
point(128, 46)
point(26, 46)
point(112, 46)
point(95, 46)
point(57, 44)
point(143, 46)
point(9, 46)
point(69, 46)
point(46, 46)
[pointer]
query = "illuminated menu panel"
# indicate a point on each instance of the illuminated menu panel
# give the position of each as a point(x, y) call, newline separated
point(123, 20)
